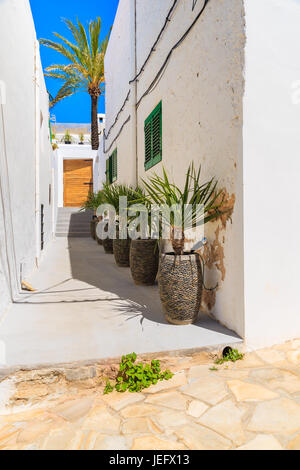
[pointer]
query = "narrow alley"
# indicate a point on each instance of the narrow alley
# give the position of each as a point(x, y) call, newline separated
point(86, 308)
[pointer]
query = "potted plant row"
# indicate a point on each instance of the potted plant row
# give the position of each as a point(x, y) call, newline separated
point(67, 138)
point(121, 242)
point(179, 270)
point(92, 203)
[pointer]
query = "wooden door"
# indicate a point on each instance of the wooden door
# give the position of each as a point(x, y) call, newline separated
point(78, 182)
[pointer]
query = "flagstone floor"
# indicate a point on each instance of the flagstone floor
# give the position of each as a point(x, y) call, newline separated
point(252, 404)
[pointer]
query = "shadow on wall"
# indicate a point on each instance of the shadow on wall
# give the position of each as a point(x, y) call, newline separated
point(98, 269)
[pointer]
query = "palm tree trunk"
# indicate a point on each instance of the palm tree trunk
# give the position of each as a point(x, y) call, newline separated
point(94, 123)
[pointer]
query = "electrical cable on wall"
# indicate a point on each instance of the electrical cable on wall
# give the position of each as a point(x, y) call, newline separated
point(194, 4)
point(157, 76)
point(122, 127)
point(142, 68)
point(156, 42)
point(117, 116)
point(162, 68)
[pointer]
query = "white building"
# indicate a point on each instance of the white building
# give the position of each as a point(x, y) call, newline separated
point(217, 79)
point(101, 122)
point(78, 156)
point(28, 203)
point(78, 133)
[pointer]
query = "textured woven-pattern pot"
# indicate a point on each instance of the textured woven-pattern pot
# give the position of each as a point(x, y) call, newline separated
point(108, 246)
point(121, 252)
point(144, 257)
point(93, 228)
point(99, 241)
point(180, 283)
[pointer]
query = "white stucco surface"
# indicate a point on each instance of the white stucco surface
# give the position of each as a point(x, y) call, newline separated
point(74, 152)
point(201, 92)
point(230, 102)
point(20, 127)
point(117, 84)
point(271, 171)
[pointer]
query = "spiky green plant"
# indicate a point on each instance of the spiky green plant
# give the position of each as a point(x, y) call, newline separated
point(93, 201)
point(113, 192)
point(204, 199)
point(84, 70)
point(67, 137)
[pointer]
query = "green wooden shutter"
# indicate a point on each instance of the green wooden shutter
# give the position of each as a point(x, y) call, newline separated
point(114, 166)
point(153, 137)
point(107, 172)
point(148, 143)
point(156, 136)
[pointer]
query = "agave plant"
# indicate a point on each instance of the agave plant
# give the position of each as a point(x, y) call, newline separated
point(203, 200)
point(67, 137)
point(84, 70)
point(93, 201)
point(113, 192)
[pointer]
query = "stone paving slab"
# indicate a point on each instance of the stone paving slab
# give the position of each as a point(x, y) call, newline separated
point(253, 404)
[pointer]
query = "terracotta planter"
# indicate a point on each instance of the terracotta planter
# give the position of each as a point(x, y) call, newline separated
point(144, 258)
point(180, 283)
point(122, 252)
point(108, 246)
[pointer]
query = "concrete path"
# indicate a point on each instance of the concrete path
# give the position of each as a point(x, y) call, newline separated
point(253, 404)
point(87, 308)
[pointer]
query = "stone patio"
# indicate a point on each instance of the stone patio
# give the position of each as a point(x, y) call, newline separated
point(253, 404)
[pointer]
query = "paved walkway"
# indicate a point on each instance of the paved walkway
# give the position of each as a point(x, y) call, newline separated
point(87, 308)
point(252, 404)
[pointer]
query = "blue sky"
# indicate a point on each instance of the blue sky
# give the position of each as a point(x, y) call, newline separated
point(47, 17)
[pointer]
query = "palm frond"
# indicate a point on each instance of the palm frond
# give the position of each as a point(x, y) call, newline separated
point(68, 89)
point(58, 48)
point(85, 56)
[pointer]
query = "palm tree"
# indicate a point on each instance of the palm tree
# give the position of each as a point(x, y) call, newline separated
point(85, 68)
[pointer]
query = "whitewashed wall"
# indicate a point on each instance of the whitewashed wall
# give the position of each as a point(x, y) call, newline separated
point(242, 125)
point(271, 171)
point(18, 120)
point(201, 92)
point(47, 186)
point(100, 167)
point(118, 73)
point(118, 61)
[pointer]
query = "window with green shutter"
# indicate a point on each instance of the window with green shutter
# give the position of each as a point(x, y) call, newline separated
point(107, 173)
point(112, 168)
point(153, 137)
